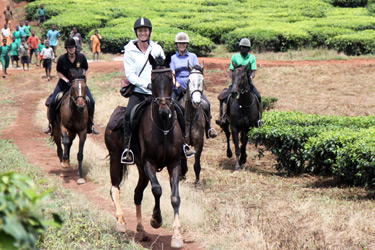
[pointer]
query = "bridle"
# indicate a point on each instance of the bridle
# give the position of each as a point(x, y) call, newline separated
point(162, 101)
point(196, 90)
point(74, 99)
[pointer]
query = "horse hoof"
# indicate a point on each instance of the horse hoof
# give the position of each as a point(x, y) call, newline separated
point(156, 224)
point(81, 181)
point(177, 242)
point(197, 183)
point(63, 175)
point(120, 227)
point(65, 166)
point(143, 236)
point(229, 154)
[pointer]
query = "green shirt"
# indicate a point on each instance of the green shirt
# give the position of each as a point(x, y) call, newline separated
point(14, 49)
point(5, 50)
point(42, 12)
point(17, 34)
point(239, 60)
point(40, 47)
point(28, 30)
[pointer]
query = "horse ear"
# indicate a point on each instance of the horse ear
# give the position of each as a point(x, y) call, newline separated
point(188, 66)
point(248, 67)
point(168, 59)
point(152, 61)
point(202, 66)
point(234, 64)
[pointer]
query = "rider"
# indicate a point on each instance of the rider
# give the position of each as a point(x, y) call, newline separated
point(242, 58)
point(70, 60)
point(136, 59)
point(179, 68)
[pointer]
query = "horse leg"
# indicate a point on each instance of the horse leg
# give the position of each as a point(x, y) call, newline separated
point(244, 140)
point(184, 167)
point(197, 163)
point(138, 197)
point(82, 139)
point(67, 144)
point(225, 128)
point(237, 148)
point(57, 140)
point(174, 173)
point(156, 220)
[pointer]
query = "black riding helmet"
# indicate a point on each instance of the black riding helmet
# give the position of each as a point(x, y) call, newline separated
point(142, 22)
point(70, 42)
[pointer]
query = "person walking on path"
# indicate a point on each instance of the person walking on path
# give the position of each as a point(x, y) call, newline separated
point(5, 34)
point(18, 35)
point(77, 38)
point(5, 49)
point(53, 37)
point(21, 28)
point(48, 56)
point(95, 45)
point(39, 50)
point(8, 14)
point(27, 30)
point(14, 52)
point(41, 14)
point(23, 51)
point(33, 42)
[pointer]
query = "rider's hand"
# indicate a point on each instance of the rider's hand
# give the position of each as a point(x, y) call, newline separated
point(149, 86)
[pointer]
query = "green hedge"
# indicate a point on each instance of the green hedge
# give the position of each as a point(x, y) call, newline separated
point(320, 144)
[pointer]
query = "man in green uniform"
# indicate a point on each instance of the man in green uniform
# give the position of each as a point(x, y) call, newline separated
point(242, 58)
point(14, 52)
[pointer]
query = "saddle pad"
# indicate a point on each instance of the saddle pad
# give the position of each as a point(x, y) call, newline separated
point(137, 112)
point(117, 117)
point(222, 94)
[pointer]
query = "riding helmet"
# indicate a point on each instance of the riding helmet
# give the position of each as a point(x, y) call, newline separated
point(245, 42)
point(182, 38)
point(142, 22)
point(70, 42)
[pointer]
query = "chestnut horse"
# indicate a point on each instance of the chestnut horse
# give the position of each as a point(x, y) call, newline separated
point(194, 117)
point(156, 144)
point(242, 111)
point(72, 120)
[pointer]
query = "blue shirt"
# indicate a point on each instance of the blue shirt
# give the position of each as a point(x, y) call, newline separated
point(22, 29)
point(53, 35)
point(179, 66)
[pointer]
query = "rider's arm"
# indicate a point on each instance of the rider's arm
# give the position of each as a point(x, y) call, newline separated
point(60, 75)
point(253, 74)
point(230, 73)
point(130, 71)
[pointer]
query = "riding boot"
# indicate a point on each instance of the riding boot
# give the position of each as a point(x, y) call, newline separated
point(91, 127)
point(51, 118)
point(260, 112)
point(210, 132)
point(127, 156)
point(188, 151)
point(223, 114)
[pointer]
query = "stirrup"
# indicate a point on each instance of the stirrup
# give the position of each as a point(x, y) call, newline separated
point(125, 159)
point(48, 130)
point(188, 151)
point(212, 130)
point(260, 123)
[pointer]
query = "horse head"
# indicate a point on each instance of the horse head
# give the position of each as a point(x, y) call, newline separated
point(162, 84)
point(195, 84)
point(78, 90)
point(240, 79)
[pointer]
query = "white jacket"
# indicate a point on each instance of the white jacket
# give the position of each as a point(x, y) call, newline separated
point(134, 59)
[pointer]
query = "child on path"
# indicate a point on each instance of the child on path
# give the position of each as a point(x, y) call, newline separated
point(33, 45)
point(14, 52)
point(39, 50)
point(27, 29)
point(5, 49)
point(42, 14)
point(95, 45)
point(21, 28)
point(18, 35)
point(53, 37)
point(23, 51)
point(48, 56)
point(8, 14)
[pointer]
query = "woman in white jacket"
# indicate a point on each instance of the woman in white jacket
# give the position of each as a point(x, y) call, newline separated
point(138, 72)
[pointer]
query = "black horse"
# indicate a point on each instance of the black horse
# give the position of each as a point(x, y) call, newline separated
point(156, 144)
point(242, 113)
point(195, 119)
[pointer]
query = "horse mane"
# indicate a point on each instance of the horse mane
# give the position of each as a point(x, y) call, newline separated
point(159, 62)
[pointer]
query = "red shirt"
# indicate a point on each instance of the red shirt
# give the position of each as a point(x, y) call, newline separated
point(33, 41)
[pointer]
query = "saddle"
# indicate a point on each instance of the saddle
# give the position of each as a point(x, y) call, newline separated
point(223, 94)
point(59, 97)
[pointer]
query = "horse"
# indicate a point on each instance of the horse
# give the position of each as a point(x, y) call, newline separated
point(72, 120)
point(195, 119)
point(156, 144)
point(242, 113)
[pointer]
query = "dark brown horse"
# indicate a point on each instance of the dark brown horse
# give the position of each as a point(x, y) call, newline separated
point(194, 117)
point(72, 120)
point(242, 111)
point(156, 144)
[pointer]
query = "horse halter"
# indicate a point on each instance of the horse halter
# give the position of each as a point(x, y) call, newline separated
point(196, 90)
point(74, 99)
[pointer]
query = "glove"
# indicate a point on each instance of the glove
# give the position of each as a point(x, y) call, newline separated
point(181, 90)
point(149, 86)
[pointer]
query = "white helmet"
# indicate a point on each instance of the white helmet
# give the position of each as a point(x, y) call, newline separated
point(182, 38)
point(245, 42)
